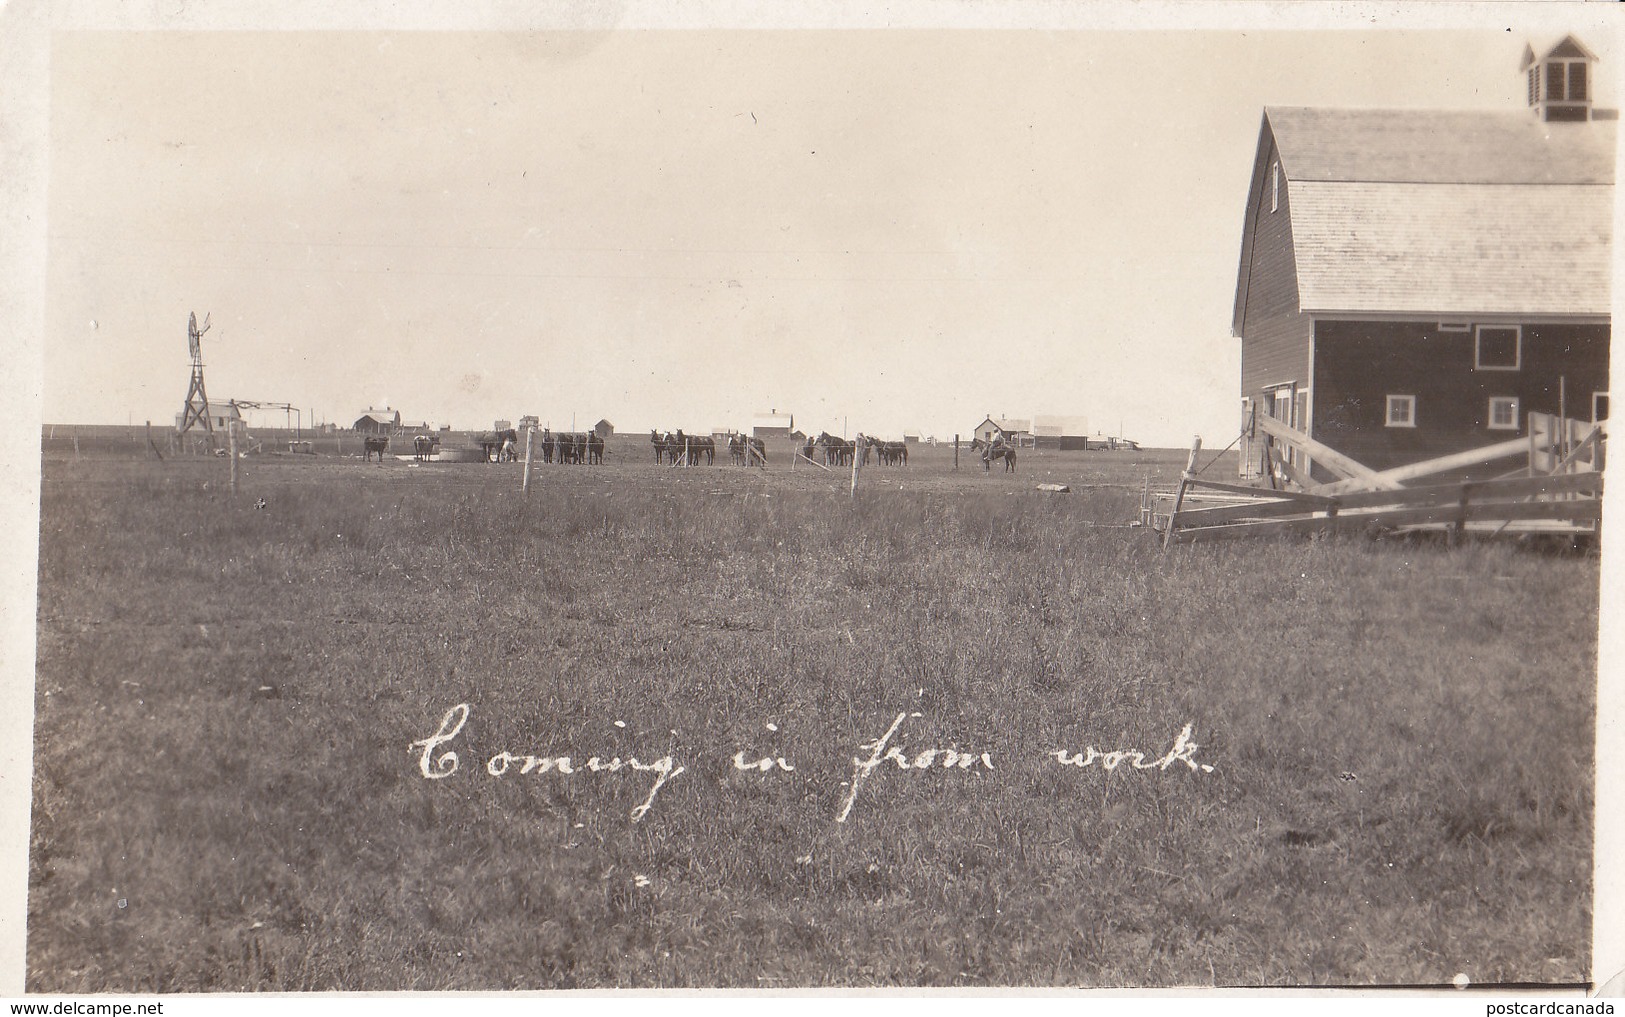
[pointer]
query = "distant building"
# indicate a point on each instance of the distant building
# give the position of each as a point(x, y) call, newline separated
point(501, 425)
point(603, 429)
point(528, 421)
point(911, 437)
point(772, 424)
point(1067, 433)
point(383, 421)
point(1414, 282)
point(1017, 432)
point(221, 416)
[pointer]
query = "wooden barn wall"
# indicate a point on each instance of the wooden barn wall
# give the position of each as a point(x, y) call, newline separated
point(1275, 336)
point(1358, 364)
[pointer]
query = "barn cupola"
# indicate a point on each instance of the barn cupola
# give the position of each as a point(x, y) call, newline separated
point(1559, 83)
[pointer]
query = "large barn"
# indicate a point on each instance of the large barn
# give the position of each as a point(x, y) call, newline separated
point(384, 421)
point(772, 424)
point(1059, 431)
point(1413, 283)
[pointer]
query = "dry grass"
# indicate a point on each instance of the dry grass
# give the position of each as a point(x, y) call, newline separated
point(289, 842)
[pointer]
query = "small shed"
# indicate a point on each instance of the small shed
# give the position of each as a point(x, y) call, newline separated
point(221, 416)
point(603, 429)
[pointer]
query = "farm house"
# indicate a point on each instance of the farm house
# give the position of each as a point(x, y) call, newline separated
point(1017, 432)
point(1414, 283)
point(384, 421)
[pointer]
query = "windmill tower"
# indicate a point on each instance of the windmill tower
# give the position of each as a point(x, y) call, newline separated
point(196, 410)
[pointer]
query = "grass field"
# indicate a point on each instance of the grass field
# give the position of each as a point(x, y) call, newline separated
point(1387, 775)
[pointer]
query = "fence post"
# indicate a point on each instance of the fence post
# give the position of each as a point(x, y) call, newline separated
point(530, 434)
point(76, 444)
point(956, 453)
point(1184, 480)
point(857, 457)
point(231, 453)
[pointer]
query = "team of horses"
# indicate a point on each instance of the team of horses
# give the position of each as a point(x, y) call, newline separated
point(833, 451)
point(674, 446)
point(547, 446)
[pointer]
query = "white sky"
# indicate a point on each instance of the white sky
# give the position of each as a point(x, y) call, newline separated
point(874, 230)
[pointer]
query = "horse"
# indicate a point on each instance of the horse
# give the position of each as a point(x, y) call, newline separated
point(837, 451)
point(746, 451)
point(891, 453)
point(694, 447)
point(375, 443)
point(422, 447)
point(658, 440)
point(595, 448)
point(500, 446)
point(998, 450)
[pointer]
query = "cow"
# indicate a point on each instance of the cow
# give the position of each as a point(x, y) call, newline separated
point(374, 443)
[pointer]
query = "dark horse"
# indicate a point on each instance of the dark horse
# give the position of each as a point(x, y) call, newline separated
point(501, 446)
point(837, 451)
point(375, 443)
point(747, 451)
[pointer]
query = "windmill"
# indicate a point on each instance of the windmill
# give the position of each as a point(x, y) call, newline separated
point(196, 410)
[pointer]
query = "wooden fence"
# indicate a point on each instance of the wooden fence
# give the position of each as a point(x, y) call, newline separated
point(1558, 490)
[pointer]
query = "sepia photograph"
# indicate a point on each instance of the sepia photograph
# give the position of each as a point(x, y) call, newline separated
point(947, 498)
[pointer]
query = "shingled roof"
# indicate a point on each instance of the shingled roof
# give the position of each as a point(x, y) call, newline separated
point(1439, 147)
point(1441, 213)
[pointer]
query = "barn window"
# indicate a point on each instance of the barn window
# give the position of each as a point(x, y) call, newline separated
point(1503, 413)
point(1275, 187)
point(1498, 348)
point(1401, 411)
point(1454, 326)
point(1599, 407)
point(1554, 80)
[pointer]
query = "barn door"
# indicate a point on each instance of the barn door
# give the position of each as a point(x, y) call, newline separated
point(1288, 404)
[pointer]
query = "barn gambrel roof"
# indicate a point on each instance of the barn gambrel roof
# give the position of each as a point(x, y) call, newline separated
point(1440, 213)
